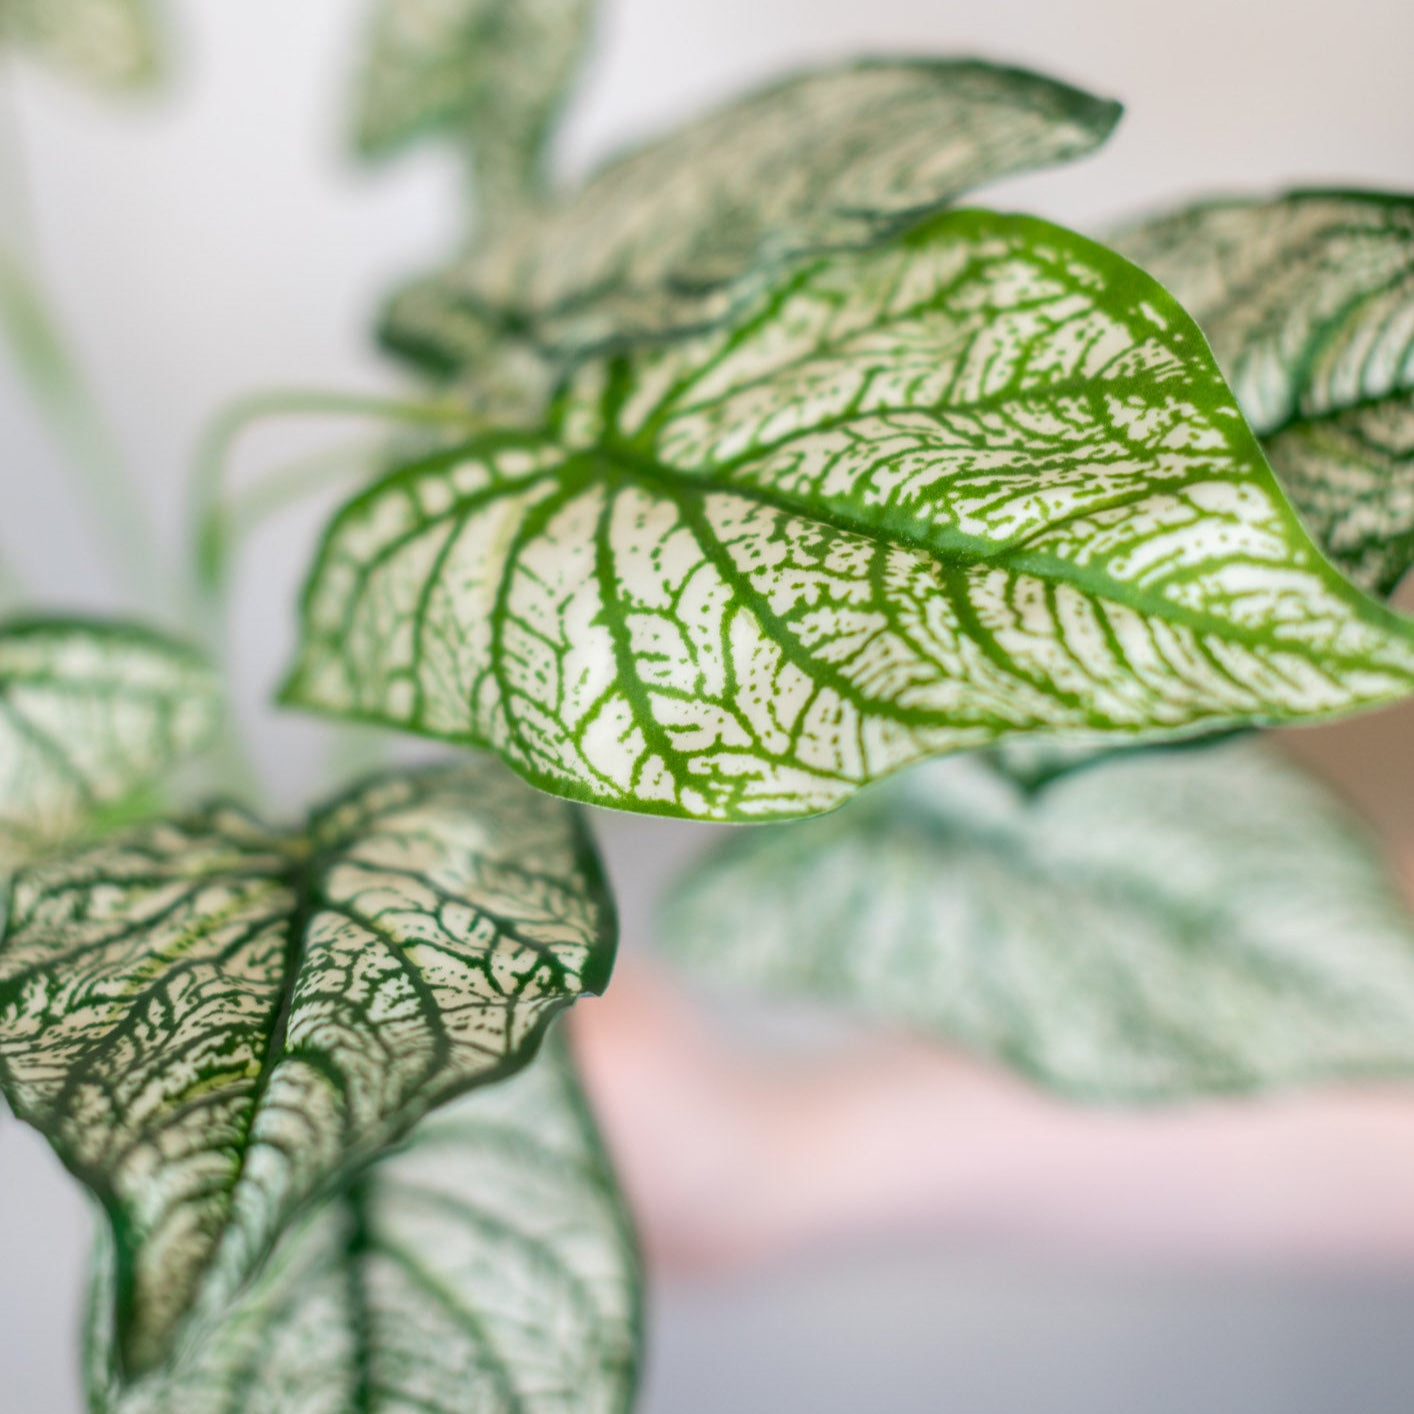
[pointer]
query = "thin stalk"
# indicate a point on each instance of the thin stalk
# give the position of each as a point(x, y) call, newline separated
point(211, 537)
point(56, 382)
point(60, 392)
point(12, 587)
point(221, 523)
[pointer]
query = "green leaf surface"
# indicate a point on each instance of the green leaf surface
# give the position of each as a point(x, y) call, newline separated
point(982, 480)
point(213, 1022)
point(91, 714)
point(1308, 301)
point(1157, 926)
point(487, 1265)
point(491, 74)
point(112, 43)
point(655, 241)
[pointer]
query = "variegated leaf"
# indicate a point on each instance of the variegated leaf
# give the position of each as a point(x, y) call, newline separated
point(831, 159)
point(487, 73)
point(983, 479)
point(90, 714)
point(212, 1022)
point(487, 1265)
point(1157, 926)
point(1308, 300)
point(113, 43)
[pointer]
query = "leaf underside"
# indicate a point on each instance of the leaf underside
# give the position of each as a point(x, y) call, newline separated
point(90, 714)
point(212, 1022)
point(981, 480)
point(1155, 927)
point(112, 43)
point(489, 74)
point(655, 242)
point(1308, 300)
point(486, 1265)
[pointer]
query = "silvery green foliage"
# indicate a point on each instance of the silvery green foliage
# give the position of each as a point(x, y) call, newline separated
point(1157, 926)
point(1308, 300)
point(488, 74)
point(90, 714)
point(212, 1021)
point(112, 43)
point(983, 479)
point(655, 241)
point(485, 1265)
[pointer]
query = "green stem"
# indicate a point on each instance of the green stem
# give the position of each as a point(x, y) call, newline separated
point(222, 523)
point(59, 390)
point(12, 587)
point(212, 538)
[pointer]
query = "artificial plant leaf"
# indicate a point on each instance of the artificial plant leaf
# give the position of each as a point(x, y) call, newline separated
point(489, 73)
point(983, 479)
point(90, 715)
point(212, 1022)
point(487, 1265)
point(113, 43)
point(1157, 926)
point(1308, 301)
point(836, 158)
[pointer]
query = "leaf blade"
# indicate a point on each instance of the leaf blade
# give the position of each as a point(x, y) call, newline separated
point(1308, 299)
point(654, 243)
point(490, 73)
point(981, 479)
point(1153, 928)
point(90, 713)
point(110, 43)
point(501, 1207)
point(213, 1024)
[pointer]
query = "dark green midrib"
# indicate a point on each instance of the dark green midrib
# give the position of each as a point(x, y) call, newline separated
point(300, 878)
point(585, 469)
point(967, 552)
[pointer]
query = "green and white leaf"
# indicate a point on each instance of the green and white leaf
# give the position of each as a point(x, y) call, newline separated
point(113, 43)
point(1156, 926)
point(487, 1265)
point(212, 1022)
point(982, 480)
point(656, 241)
point(491, 74)
point(90, 715)
point(1308, 300)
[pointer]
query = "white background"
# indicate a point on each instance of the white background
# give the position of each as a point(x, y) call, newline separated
point(215, 240)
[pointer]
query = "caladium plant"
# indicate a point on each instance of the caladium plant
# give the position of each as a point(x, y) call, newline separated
point(777, 472)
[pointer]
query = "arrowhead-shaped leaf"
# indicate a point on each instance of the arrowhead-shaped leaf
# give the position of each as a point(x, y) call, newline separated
point(108, 42)
point(487, 1265)
point(213, 1022)
point(1308, 300)
point(487, 73)
point(832, 159)
point(90, 714)
point(984, 479)
point(1156, 926)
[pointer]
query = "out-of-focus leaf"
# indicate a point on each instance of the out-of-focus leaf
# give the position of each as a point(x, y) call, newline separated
point(486, 1265)
point(1308, 300)
point(213, 1022)
point(834, 159)
point(1157, 926)
point(980, 480)
point(91, 714)
point(490, 74)
point(112, 43)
